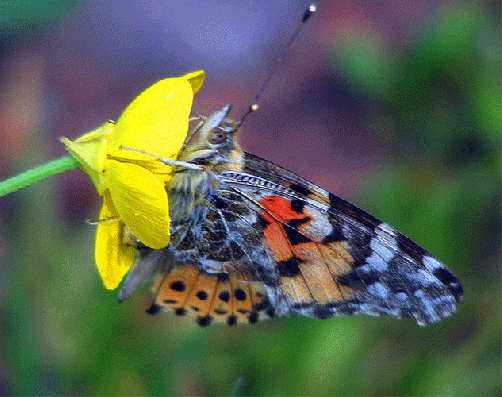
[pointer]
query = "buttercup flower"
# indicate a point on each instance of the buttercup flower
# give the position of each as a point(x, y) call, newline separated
point(132, 183)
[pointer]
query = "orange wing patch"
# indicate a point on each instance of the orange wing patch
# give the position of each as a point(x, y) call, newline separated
point(211, 298)
point(308, 268)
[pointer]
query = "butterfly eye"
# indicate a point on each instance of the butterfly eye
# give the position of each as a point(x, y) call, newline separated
point(217, 136)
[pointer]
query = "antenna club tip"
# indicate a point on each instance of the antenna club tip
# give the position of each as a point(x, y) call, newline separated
point(254, 107)
point(308, 13)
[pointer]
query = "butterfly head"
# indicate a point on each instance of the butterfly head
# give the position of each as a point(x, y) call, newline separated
point(213, 142)
point(213, 145)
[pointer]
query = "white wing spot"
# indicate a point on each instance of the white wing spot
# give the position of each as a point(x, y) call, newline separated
point(427, 278)
point(431, 263)
point(401, 296)
point(383, 246)
point(376, 263)
point(378, 290)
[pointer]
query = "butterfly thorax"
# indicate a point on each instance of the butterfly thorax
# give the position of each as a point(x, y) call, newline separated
point(213, 146)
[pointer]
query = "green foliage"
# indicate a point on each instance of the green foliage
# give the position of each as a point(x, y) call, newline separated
point(17, 17)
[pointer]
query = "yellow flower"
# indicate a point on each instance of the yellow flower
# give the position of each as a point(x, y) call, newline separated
point(132, 183)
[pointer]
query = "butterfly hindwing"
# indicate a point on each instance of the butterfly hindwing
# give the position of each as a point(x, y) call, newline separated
point(216, 298)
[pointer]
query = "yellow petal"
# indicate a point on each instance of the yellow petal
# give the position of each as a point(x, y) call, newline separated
point(157, 120)
point(113, 258)
point(99, 133)
point(90, 150)
point(195, 79)
point(141, 202)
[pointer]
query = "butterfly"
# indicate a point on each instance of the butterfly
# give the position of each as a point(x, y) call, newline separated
point(251, 240)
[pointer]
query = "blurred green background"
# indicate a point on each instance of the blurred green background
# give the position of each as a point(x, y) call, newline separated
point(393, 105)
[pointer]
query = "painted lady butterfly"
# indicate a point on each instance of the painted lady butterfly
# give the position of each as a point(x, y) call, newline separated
point(251, 240)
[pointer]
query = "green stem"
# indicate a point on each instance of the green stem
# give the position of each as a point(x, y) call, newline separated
point(37, 174)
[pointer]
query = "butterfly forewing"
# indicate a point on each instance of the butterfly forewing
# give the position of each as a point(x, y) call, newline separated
point(335, 259)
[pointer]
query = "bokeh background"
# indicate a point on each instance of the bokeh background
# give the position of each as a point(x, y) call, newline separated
point(393, 105)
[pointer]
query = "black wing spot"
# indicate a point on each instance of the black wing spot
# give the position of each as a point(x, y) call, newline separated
point(445, 276)
point(154, 309)
point(224, 296)
point(305, 191)
point(297, 205)
point(289, 267)
point(295, 237)
point(296, 223)
point(335, 235)
point(232, 320)
point(237, 252)
point(258, 307)
point(322, 313)
point(220, 203)
point(360, 248)
point(178, 286)
point(356, 281)
point(204, 321)
point(170, 301)
point(180, 311)
point(263, 222)
point(457, 291)
point(202, 295)
point(240, 294)
point(222, 276)
point(449, 279)
point(253, 317)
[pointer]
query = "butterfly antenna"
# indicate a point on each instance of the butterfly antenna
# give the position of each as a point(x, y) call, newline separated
point(254, 105)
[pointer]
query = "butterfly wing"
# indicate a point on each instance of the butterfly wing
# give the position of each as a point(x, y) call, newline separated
point(293, 247)
point(335, 259)
point(223, 297)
